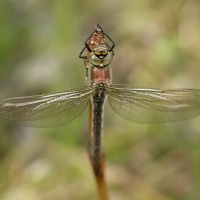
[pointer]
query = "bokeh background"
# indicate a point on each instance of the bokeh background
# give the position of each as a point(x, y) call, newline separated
point(157, 45)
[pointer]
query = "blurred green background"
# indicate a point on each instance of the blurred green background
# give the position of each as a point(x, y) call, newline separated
point(157, 45)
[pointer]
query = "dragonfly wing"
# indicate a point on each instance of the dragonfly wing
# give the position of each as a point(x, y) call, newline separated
point(45, 110)
point(153, 105)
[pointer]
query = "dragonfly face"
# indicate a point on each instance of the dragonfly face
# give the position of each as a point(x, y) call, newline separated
point(100, 56)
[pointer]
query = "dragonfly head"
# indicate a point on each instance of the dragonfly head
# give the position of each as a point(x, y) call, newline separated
point(100, 52)
point(100, 56)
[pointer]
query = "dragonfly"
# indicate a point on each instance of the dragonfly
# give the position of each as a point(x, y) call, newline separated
point(134, 103)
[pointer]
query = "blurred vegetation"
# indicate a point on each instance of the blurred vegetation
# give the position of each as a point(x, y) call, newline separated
point(157, 45)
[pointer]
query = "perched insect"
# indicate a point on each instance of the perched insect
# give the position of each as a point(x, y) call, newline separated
point(137, 104)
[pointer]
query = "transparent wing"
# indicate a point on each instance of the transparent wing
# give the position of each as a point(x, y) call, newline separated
point(153, 105)
point(45, 110)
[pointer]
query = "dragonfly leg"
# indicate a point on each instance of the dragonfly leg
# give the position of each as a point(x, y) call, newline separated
point(87, 65)
point(86, 46)
point(80, 55)
point(113, 53)
point(113, 44)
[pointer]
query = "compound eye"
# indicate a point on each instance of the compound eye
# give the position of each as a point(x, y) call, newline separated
point(104, 52)
point(97, 53)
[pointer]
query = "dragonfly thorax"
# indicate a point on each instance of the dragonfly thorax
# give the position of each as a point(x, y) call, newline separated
point(100, 56)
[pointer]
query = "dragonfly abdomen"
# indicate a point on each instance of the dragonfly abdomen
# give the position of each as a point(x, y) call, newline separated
point(98, 101)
